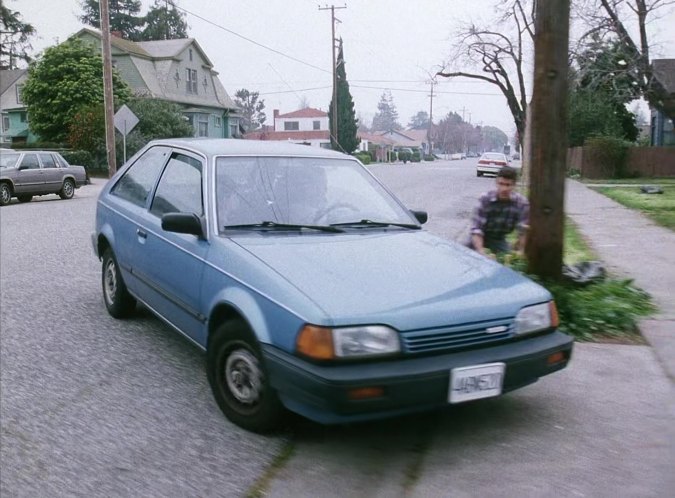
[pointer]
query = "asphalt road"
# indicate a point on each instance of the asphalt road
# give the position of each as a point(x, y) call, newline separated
point(92, 406)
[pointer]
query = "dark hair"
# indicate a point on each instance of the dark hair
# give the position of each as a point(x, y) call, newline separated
point(508, 173)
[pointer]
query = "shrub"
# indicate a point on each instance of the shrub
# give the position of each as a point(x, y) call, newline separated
point(364, 157)
point(81, 158)
point(404, 156)
point(416, 157)
point(429, 157)
point(610, 154)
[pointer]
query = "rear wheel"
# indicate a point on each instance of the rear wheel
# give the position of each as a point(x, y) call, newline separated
point(478, 173)
point(118, 301)
point(5, 194)
point(68, 189)
point(239, 380)
point(24, 198)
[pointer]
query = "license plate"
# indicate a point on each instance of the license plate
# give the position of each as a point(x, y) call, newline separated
point(476, 382)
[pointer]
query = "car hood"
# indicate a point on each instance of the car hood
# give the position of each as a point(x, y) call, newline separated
point(406, 279)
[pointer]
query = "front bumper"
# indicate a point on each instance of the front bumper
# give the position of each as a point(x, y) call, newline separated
point(320, 392)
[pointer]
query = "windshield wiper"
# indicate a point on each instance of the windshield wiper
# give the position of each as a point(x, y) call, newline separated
point(273, 225)
point(376, 224)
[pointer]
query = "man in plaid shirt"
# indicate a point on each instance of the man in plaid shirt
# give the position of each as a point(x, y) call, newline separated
point(498, 213)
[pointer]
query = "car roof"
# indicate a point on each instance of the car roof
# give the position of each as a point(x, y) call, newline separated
point(230, 146)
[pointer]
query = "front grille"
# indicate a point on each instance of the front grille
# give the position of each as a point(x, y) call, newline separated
point(461, 336)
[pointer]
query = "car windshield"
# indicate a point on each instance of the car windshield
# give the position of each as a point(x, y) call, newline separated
point(494, 156)
point(301, 191)
point(8, 160)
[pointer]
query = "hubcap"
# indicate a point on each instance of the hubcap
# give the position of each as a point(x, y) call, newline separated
point(110, 282)
point(4, 194)
point(68, 189)
point(243, 376)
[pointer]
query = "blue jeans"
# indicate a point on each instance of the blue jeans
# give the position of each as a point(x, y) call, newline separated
point(495, 245)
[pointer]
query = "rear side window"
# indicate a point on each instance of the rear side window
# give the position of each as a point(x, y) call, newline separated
point(30, 161)
point(47, 161)
point(180, 188)
point(138, 181)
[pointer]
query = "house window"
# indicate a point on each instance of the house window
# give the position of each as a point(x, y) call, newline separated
point(23, 117)
point(316, 125)
point(233, 130)
point(203, 130)
point(5, 123)
point(191, 80)
point(291, 125)
point(190, 51)
point(217, 121)
point(19, 94)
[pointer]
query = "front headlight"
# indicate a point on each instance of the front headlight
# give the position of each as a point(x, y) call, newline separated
point(535, 318)
point(323, 343)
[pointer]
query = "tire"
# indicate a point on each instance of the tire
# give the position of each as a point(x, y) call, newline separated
point(24, 198)
point(239, 380)
point(5, 194)
point(478, 173)
point(68, 189)
point(118, 301)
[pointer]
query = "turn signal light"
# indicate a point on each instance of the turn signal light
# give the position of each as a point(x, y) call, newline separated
point(555, 358)
point(316, 342)
point(555, 319)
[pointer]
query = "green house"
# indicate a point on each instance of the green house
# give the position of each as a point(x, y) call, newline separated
point(176, 71)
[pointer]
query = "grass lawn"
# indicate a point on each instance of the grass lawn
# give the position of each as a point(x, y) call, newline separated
point(633, 181)
point(605, 311)
point(658, 207)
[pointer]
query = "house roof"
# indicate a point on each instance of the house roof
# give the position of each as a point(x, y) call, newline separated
point(664, 71)
point(155, 62)
point(8, 77)
point(375, 138)
point(401, 138)
point(307, 112)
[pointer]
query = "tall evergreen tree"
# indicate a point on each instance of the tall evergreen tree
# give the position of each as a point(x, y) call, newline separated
point(164, 22)
point(124, 17)
point(14, 38)
point(345, 139)
point(386, 118)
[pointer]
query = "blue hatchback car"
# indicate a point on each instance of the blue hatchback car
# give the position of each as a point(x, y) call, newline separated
point(311, 287)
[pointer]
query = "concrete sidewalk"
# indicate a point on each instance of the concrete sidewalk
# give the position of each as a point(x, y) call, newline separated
point(633, 246)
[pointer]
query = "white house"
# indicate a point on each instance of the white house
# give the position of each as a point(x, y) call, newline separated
point(306, 126)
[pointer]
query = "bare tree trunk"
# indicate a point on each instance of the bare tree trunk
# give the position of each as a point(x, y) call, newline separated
point(549, 139)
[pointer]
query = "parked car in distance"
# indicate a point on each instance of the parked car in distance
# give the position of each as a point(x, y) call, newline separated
point(311, 288)
point(24, 174)
point(491, 163)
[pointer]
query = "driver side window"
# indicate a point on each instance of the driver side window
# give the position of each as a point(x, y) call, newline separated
point(180, 187)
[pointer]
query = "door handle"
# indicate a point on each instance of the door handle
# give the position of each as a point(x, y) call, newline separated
point(141, 233)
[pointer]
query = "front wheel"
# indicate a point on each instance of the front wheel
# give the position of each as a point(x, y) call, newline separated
point(239, 380)
point(68, 189)
point(118, 301)
point(5, 194)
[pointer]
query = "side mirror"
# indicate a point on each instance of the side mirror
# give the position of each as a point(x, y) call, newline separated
point(183, 223)
point(420, 216)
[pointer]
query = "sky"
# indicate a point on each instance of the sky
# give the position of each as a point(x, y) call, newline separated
point(282, 49)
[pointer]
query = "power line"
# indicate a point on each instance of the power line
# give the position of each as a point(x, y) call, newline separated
point(278, 52)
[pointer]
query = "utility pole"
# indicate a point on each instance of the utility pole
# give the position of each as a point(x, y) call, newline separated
point(107, 88)
point(549, 139)
point(334, 117)
point(432, 82)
